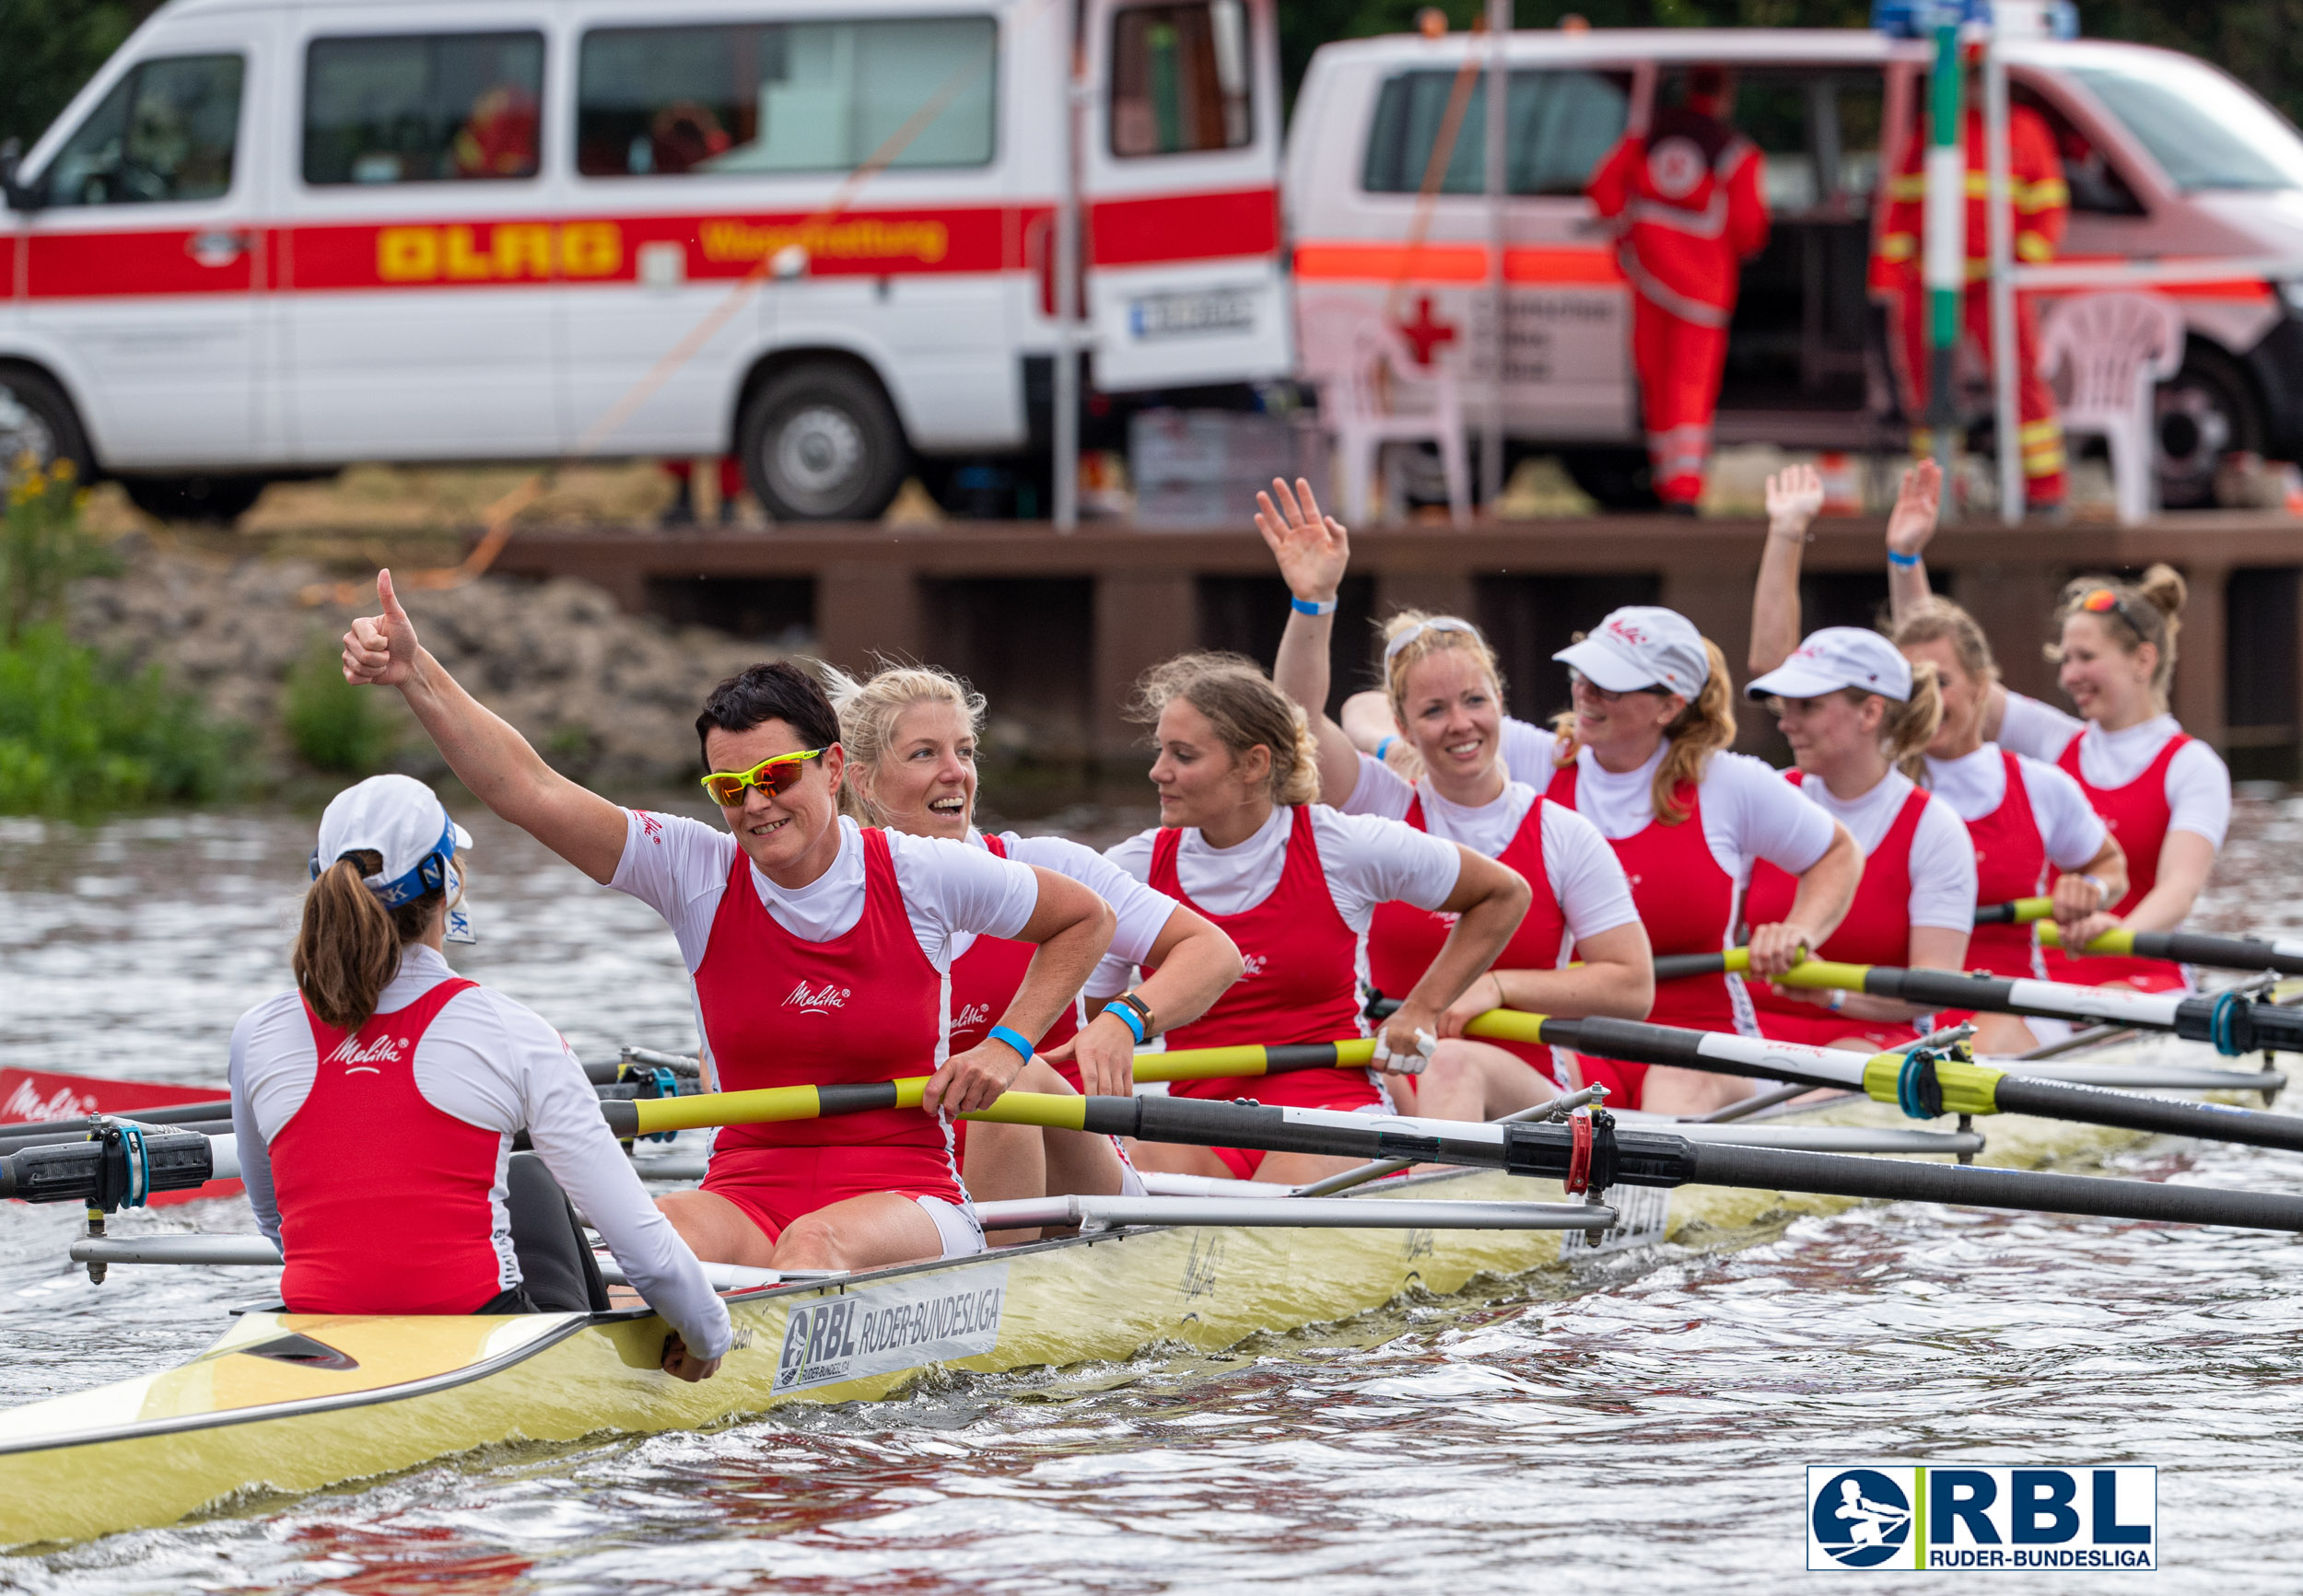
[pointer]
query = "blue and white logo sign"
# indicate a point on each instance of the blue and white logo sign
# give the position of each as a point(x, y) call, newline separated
point(1928, 1516)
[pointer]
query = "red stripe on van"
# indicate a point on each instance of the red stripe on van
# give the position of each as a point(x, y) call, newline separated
point(1172, 227)
point(102, 265)
point(1455, 263)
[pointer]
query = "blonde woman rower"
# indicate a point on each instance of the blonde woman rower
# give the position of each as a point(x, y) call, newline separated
point(1444, 688)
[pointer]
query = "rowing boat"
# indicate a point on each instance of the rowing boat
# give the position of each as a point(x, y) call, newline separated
point(293, 1402)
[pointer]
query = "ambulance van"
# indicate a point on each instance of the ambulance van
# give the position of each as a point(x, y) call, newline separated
point(2166, 158)
point(270, 238)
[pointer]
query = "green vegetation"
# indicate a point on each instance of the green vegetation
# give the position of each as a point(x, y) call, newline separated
point(334, 726)
point(80, 735)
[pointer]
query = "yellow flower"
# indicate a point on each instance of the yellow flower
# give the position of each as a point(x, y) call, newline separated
point(63, 471)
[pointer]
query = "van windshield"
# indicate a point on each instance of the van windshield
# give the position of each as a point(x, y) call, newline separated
point(2204, 129)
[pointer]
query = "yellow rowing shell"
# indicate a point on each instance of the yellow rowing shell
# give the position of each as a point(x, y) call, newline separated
point(292, 1402)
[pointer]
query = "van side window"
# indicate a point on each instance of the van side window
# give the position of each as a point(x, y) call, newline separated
point(167, 131)
point(2097, 188)
point(786, 97)
point(416, 108)
point(1179, 79)
point(1559, 124)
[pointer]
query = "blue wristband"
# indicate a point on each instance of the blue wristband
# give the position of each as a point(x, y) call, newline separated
point(1906, 561)
point(1012, 1037)
point(1127, 1018)
point(1312, 606)
point(1383, 748)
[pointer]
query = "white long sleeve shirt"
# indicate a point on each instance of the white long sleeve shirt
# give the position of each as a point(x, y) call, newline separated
point(494, 1064)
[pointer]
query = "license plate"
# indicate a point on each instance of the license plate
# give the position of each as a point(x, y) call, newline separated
point(1194, 315)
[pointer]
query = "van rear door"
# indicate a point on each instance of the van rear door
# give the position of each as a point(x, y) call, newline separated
point(1180, 164)
point(144, 274)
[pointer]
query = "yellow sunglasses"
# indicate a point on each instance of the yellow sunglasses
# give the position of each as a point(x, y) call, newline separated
point(772, 777)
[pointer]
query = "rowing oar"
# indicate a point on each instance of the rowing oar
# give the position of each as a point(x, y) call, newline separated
point(2231, 1023)
point(1584, 1154)
point(2176, 947)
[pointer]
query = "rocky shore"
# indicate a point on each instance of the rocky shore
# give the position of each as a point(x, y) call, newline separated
point(606, 696)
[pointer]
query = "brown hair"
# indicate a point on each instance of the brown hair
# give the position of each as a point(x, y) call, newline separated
point(869, 709)
point(1909, 724)
point(2149, 612)
point(1245, 708)
point(1938, 619)
point(1462, 635)
point(347, 949)
point(1700, 729)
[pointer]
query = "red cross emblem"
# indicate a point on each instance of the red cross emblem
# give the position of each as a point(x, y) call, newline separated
point(1423, 334)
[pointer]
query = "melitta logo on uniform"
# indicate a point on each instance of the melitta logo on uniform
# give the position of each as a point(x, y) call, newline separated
point(353, 1058)
point(1901, 1516)
point(974, 1014)
point(824, 996)
point(887, 1329)
point(1252, 964)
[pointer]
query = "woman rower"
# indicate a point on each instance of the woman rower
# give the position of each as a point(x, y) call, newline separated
point(2022, 816)
point(820, 951)
point(910, 733)
point(1643, 755)
point(1294, 885)
point(1444, 688)
point(2163, 794)
point(375, 1104)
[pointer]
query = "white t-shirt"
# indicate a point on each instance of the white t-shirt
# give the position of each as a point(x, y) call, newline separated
point(489, 1062)
point(1367, 859)
point(1750, 811)
point(1943, 856)
point(2198, 784)
point(1142, 914)
point(1975, 785)
point(1585, 877)
point(679, 867)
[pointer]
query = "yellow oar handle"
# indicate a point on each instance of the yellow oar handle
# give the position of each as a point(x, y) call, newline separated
point(1219, 1063)
point(1823, 973)
point(2119, 941)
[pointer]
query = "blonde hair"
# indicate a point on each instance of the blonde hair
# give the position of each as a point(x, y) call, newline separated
point(1458, 635)
point(2149, 612)
point(1938, 619)
point(1909, 724)
point(1246, 711)
point(1700, 729)
point(347, 949)
point(869, 711)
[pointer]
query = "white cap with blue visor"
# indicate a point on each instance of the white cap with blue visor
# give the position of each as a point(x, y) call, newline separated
point(401, 821)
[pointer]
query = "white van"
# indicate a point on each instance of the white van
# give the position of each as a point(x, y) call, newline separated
point(271, 237)
point(2166, 158)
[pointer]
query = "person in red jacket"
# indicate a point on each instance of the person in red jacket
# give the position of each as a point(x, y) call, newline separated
point(1686, 200)
point(2040, 202)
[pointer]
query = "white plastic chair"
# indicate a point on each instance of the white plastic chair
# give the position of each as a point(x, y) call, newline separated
point(2118, 349)
point(1372, 392)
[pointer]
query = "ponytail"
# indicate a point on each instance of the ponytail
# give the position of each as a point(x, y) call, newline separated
point(1700, 729)
point(347, 949)
point(1910, 725)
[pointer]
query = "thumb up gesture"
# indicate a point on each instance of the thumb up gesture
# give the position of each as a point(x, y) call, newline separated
point(379, 650)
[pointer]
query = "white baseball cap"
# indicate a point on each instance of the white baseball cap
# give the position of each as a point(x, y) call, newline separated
point(400, 818)
point(1834, 657)
point(1641, 645)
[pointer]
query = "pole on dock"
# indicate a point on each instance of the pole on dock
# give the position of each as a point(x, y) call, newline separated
point(1498, 195)
point(2004, 375)
point(1066, 397)
point(1945, 266)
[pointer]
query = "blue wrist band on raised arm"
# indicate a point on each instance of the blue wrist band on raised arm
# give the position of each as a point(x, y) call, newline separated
point(1906, 561)
point(1012, 1037)
point(1127, 1018)
point(1312, 606)
point(1383, 748)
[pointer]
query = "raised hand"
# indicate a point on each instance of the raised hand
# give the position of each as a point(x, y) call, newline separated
point(379, 650)
point(1917, 502)
point(1312, 550)
point(1795, 498)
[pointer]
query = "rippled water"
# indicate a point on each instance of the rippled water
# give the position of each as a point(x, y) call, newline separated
point(1646, 1419)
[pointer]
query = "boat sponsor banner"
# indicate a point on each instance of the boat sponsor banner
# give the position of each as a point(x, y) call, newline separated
point(888, 1328)
point(1910, 1516)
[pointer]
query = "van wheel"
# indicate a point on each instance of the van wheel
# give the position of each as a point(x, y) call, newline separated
point(2205, 409)
point(1618, 478)
point(821, 442)
point(36, 419)
point(216, 500)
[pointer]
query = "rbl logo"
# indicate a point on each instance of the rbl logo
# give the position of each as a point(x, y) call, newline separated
point(1915, 1516)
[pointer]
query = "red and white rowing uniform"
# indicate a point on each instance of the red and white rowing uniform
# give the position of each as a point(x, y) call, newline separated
point(2146, 782)
point(845, 980)
point(1919, 870)
point(2022, 816)
point(1584, 891)
point(1296, 898)
point(1686, 880)
point(378, 1159)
